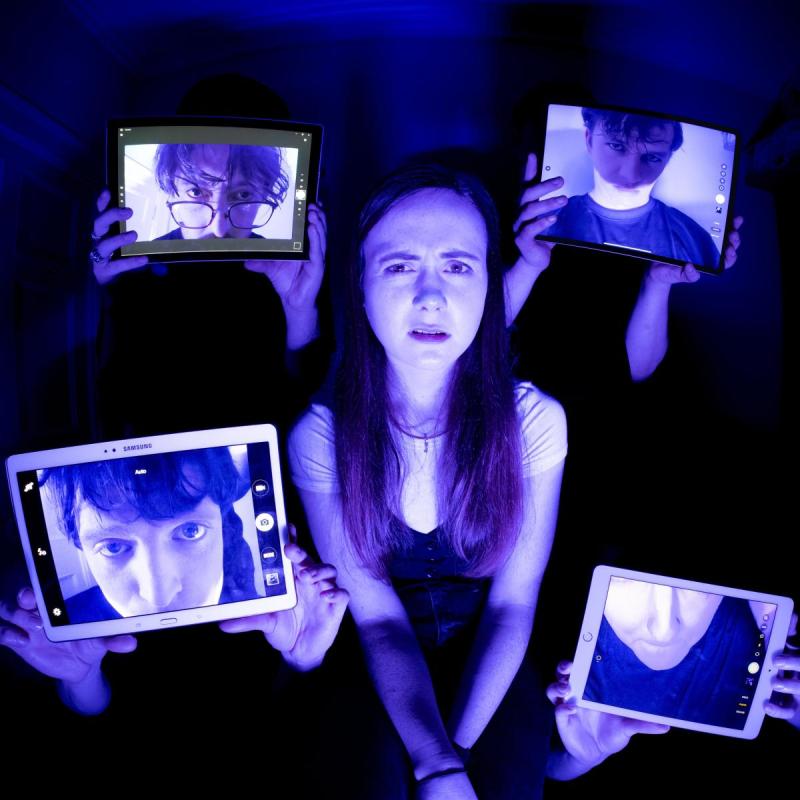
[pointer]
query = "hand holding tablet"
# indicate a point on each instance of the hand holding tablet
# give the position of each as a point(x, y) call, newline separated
point(642, 184)
point(304, 633)
point(679, 652)
point(128, 536)
point(213, 188)
point(588, 736)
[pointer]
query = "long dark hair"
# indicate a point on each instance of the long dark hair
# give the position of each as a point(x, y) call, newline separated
point(159, 487)
point(479, 471)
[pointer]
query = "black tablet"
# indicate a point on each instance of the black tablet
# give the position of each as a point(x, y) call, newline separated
point(214, 188)
point(642, 184)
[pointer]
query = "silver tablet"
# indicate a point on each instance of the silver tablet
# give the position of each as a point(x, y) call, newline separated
point(688, 654)
point(142, 534)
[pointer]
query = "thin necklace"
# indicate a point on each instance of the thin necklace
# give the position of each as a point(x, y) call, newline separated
point(426, 437)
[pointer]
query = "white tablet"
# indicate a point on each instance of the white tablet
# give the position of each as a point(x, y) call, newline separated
point(137, 535)
point(688, 654)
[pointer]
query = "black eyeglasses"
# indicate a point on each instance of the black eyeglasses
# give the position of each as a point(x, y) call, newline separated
point(197, 215)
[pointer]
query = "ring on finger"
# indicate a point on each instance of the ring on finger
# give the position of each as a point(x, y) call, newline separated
point(95, 257)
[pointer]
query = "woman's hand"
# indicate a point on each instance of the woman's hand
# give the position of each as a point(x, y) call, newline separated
point(304, 633)
point(76, 664)
point(589, 736)
point(105, 268)
point(669, 274)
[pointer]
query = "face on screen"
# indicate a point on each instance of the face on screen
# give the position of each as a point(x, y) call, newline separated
point(151, 566)
point(629, 166)
point(213, 201)
point(659, 623)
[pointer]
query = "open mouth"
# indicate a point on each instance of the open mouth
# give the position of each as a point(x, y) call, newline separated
point(428, 334)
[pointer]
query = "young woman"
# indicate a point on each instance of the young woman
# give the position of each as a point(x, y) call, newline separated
point(433, 487)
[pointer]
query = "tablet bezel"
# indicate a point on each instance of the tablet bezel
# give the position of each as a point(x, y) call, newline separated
point(609, 248)
point(113, 181)
point(591, 626)
point(103, 451)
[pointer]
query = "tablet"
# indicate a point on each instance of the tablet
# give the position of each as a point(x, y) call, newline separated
point(641, 184)
point(142, 534)
point(693, 655)
point(214, 188)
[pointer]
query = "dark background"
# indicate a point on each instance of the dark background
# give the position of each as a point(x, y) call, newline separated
point(683, 475)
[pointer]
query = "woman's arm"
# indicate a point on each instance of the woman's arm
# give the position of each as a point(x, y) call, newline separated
point(505, 626)
point(392, 653)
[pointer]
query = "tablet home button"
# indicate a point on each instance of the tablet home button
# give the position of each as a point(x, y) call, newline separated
point(587, 637)
point(169, 620)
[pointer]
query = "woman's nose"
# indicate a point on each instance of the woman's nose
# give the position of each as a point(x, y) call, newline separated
point(429, 292)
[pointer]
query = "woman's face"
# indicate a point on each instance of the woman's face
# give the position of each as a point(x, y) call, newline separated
point(148, 567)
point(659, 623)
point(425, 279)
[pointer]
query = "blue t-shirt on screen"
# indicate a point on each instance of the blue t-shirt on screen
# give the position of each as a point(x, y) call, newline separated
point(654, 227)
point(707, 686)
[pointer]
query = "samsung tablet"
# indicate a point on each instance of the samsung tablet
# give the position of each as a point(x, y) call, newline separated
point(142, 534)
point(641, 184)
point(214, 188)
point(693, 655)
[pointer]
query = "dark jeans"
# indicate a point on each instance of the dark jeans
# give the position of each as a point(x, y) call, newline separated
point(358, 755)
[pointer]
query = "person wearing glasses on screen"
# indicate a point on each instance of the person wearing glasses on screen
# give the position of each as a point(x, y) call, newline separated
point(262, 315)
point(219, 191)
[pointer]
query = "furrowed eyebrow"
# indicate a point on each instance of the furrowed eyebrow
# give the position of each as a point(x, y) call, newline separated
point(459, 254)
point(398, 255)
point(205, 177)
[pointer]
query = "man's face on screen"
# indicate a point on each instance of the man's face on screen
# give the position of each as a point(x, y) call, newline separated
point(211, 184)
point(151, 566)
point(632, 164)
point(659, 623)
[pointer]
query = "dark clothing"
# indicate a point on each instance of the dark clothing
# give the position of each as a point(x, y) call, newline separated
point(440, 601)
point(200, 345)
point(509, 759)
point(705, 687)
point(655, 228)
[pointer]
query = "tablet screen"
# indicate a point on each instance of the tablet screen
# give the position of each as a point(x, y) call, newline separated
point(153, 533)
point(679, 653)
point(641, 184)
point(227, 191)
